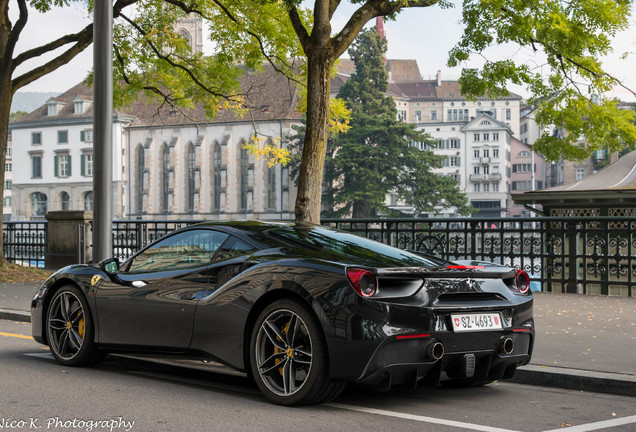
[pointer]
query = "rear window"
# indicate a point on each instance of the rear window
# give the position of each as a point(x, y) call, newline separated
point(343, 243)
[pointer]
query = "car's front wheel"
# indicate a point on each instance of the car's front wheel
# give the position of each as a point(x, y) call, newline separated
point(69, 328)
point(288, 356)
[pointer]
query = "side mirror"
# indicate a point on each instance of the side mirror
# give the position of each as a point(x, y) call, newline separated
point(109, 265)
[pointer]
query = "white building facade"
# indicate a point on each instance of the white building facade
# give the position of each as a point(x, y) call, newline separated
point(53, 169)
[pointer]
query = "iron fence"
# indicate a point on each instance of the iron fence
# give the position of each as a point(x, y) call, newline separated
point(591, 255)
point(25, 242)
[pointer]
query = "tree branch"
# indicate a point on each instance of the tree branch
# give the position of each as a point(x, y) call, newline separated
point(191, 9)
point(368, 11)
point(297, 24)
point(14, 35)
point(167, 59)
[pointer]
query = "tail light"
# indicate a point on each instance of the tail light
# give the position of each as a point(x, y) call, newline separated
point(522, 282)
point(362, 281)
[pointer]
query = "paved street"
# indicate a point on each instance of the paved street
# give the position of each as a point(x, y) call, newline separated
point(34, 388)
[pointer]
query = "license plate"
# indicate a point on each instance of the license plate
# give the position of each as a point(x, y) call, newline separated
point(476, 322)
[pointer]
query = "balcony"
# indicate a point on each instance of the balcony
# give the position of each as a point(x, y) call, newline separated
point(485, 177)
point(484, 160)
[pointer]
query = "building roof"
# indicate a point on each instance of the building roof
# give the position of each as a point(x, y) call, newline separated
point(269, 95)
point(399, 70)
point(616, 179)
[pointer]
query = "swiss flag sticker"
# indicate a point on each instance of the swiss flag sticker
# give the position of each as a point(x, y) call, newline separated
point(496, 320)
point(456, 322)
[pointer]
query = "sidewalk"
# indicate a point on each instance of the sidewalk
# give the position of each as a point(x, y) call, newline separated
point(582, 342)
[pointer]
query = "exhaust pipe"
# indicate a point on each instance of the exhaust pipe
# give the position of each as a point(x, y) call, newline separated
point(506, 346)
point(435, 350)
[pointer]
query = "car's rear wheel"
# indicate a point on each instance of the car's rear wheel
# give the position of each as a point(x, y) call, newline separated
point(288, 356)
point(69, 328)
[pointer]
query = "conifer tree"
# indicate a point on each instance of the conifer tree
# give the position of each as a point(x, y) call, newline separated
point(374, 157)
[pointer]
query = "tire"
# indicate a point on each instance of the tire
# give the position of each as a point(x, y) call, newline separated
point(288, 356)
point(69, 328)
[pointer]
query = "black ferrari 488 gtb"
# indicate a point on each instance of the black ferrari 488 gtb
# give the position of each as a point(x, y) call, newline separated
point(302, 309)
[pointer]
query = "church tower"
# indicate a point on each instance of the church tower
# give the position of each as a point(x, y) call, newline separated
point(191, 29)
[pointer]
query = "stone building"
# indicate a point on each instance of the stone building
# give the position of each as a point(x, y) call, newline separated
point(167, 164)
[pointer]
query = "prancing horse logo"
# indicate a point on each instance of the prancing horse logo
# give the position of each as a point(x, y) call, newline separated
point(95, 280)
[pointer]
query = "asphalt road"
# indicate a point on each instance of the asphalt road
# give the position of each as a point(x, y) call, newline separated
point(38, 394)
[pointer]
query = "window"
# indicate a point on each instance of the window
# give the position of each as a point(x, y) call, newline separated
point(495, 187)
point(9, 151)
point(8, 167)
point(62, 137)
point(165, 178)
point(580, 173)
point(495, 136)
point(62, 166)
point(476, 187)
point(36, 138)
point(88, 201)
point(218, 163)
point(231, 248)
point(401, 115)
point(7, 201)
point(486, 137)
point(183, 250)
point(244, 180)
point(476, 153)
point(508, 114)
point(191, 174)
point(486, 169)
point(449, 115)
point(486, 187)
point(271, 187)
point(86, 163)
point(524, 153)
point(522, 168)
point(495, 152)
point(86, 135)
point(36, 166)
point(454, 143)
point(7, 185)
point(433, 115)
point(140, 178)
point(476, 169)
point(454, 161)
point(476, 137)
point(418, 115)
point(486, 153)
point(65, 200)
point(522, 185)
point(495, 169)
point(38, 204)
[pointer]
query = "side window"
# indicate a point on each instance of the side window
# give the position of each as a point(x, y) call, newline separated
point(233, 247)
point(183, 250)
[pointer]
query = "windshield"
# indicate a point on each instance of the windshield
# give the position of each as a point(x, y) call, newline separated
point(374, 253)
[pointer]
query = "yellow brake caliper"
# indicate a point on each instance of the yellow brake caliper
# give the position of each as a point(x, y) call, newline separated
point(80, 327)
point(278, 350)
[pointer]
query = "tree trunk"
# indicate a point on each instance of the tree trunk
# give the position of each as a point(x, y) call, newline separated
point(5, 112)
point(308, 201)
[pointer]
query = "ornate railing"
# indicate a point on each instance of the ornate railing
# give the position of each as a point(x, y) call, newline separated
point(593, 255)
point(25, 242)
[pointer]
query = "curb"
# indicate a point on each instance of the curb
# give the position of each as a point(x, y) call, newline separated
point(14, 315)
point(577, 379)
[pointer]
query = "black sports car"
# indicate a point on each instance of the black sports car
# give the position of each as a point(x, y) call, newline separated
point(303, 309)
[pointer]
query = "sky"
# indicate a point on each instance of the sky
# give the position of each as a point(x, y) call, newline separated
point(423, 34)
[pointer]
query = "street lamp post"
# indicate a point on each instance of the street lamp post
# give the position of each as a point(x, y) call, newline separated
point(103, 128)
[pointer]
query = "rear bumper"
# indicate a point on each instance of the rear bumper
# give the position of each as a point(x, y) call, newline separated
point(481, 358)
